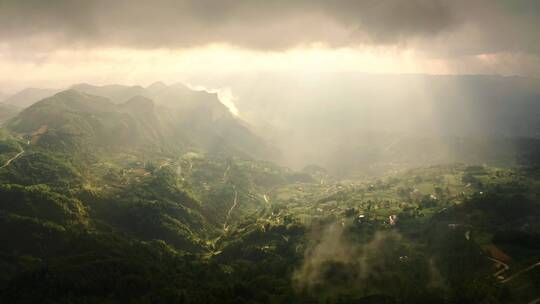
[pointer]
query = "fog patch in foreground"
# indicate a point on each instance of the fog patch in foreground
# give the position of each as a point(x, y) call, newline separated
point(334, 263)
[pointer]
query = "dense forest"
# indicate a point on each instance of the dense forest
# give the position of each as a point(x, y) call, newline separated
point(131, 200)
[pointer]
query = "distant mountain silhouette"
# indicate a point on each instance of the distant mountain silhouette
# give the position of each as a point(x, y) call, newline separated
point(29, 96)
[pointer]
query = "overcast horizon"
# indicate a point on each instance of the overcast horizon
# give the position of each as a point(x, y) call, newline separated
point(58, 43)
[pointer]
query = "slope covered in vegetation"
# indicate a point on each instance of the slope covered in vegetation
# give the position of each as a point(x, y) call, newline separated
point(124, 202)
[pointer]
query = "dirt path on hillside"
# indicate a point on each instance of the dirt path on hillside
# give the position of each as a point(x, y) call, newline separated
point(521, 272)
point(503, 269)
point(226, 172)
point(235, 202)
point(12, 159)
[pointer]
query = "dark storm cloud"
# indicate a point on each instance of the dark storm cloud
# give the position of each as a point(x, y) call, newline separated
point(266, 24)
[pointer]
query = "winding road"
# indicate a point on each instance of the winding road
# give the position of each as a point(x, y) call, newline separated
point(226, 172)
point(520, 272)
point(12, 159)
point(226, 225)
point(504, 268)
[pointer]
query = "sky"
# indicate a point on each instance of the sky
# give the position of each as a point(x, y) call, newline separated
point(59, 42)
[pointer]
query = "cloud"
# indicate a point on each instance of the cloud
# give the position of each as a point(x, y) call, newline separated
point(331, 251)
point(269, 25)
point(334, 262)
point(463, 36)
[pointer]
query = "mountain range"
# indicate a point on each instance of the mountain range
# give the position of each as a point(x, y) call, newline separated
point(408, 119)
point(114, 114)
point(159, 194)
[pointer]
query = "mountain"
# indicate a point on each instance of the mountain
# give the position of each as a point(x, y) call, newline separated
point(196, 118)
point(132, 169)
point(116, 93)
point(29, 96)
point(84, 121)
point(156, 87)
point(176, 96)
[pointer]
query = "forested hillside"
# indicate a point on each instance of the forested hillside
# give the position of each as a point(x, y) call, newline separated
point(140, 201)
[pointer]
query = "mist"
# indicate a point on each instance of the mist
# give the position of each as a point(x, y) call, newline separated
point(367, 119)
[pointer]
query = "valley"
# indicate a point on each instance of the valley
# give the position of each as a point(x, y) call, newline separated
point(134, 202)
